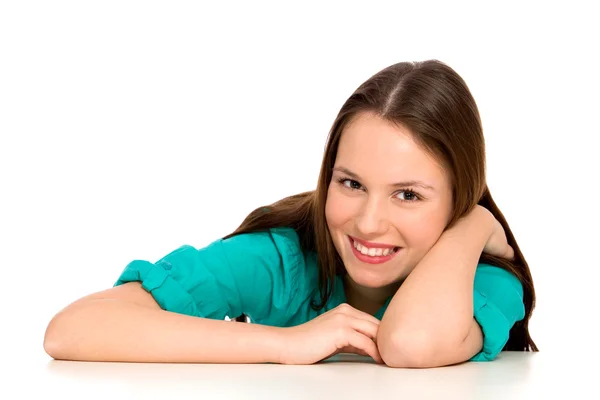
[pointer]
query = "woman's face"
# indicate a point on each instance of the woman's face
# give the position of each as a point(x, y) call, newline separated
point(365, 204)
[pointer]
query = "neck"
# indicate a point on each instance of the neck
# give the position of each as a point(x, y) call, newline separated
point(367, 299)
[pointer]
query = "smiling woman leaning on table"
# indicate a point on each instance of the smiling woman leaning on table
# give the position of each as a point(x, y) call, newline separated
point(400, 253)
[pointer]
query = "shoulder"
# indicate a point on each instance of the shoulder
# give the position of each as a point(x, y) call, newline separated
point(498, 293)
point(276, 252)
point(489, 276)
point(498, 304)
point(272, 265)
point(280, 242)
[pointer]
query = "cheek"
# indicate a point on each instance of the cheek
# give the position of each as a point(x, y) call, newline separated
point(421, 231)
point(338, 210)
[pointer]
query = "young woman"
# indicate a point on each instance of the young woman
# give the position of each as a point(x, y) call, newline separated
point(400, 254)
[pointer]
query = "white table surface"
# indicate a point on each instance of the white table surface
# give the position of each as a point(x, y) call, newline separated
point(513, 375)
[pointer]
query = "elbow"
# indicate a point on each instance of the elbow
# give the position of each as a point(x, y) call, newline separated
point(403, 350)
point(53, 350)
point(52, 340)
point(55, 338)
point(63, 333)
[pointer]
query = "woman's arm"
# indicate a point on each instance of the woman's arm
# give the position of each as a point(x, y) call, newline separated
point(429, 321)
point(125, 323)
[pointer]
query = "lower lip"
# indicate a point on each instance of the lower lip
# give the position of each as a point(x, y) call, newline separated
point(369, 259)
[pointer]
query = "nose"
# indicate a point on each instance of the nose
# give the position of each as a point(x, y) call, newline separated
point(372, 219)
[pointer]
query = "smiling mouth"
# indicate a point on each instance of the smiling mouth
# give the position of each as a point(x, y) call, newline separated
point(373, 255)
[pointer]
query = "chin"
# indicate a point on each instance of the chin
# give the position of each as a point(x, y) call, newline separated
point(369, 279)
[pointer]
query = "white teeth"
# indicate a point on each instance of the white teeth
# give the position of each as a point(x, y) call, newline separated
point(372, 252)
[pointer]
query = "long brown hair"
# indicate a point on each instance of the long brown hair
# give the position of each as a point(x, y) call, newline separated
point(435, 104)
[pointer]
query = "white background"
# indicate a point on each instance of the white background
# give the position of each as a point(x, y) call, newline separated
point(129, 128)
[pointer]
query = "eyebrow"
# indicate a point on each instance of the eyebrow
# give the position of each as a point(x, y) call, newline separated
point(397, 184)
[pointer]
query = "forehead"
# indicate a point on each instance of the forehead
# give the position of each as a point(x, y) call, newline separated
point(381, 151)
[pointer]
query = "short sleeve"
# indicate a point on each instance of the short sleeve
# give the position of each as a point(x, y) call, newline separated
point(256, 274)
point(497, 305)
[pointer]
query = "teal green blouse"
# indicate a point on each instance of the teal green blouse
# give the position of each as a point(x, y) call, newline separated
point(269, 278)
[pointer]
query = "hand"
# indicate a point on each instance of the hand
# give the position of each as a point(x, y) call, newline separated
point(497, 244)
point(343, 329)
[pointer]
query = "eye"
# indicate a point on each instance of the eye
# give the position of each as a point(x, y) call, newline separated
point(410, 196)
point(350, 183)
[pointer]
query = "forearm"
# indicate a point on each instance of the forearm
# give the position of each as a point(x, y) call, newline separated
point(116, 330)
point(432, 311)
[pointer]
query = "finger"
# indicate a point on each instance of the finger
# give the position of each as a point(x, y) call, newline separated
point(510, 253)
point(352, 349)
point(365, 327)
point(364, 343)
point(347, 309)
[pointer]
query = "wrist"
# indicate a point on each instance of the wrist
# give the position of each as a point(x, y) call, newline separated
point(484, 219)
point(277, 344)
point(478, 224)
